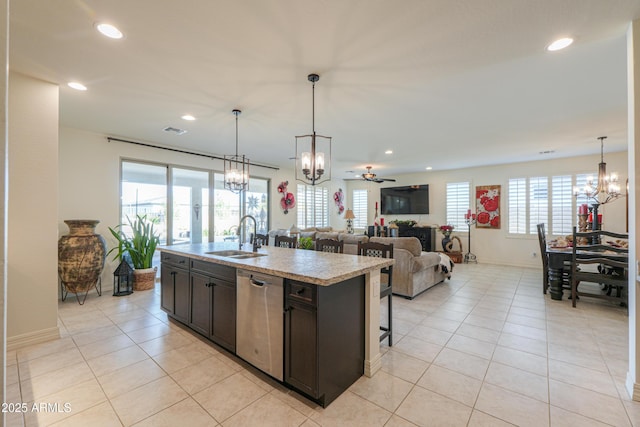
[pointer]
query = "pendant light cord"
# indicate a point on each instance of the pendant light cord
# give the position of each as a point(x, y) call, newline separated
point(236, 113)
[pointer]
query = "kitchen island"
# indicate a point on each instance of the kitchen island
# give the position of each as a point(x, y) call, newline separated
point(328, 308)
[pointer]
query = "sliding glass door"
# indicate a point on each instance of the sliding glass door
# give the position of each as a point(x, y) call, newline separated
point(144, 192)
point(190, 205)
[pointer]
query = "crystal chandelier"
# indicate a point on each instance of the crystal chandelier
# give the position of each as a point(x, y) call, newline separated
point(236, 167)
point(606, 189)
point(313, 152)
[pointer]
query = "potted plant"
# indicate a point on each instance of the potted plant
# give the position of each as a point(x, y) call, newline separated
point(139, 247)
point(306, 243)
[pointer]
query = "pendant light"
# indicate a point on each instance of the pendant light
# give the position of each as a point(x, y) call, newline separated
point(606, 189)
point(313, 152)
point(236, 167)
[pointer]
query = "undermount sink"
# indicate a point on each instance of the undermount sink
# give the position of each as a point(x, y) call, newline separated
point(247, 255)
point(236, 254)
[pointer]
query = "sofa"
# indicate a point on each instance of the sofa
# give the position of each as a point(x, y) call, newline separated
point(414, 271)
point(315, 233)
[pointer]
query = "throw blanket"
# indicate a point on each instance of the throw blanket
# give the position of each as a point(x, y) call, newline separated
point(446, 265)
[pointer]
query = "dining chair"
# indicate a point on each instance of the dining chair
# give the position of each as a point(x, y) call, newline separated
point(262, 239)
point(330, 245)
point(605, 263)
point(542, 239)
point(286, 242)
point(381, 250)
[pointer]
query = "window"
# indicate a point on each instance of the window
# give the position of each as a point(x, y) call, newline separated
point(531, 202)
point(144, 192)
point(538, 202)
point(561, 204)
point(457, 203)
point(359, 203)
point(312, 206)
point(517, 205)
point(189, 205)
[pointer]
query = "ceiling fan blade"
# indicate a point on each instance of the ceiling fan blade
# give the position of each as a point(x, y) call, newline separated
point(387, 179)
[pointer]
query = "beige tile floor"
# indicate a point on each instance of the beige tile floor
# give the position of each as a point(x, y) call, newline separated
point(484, 349)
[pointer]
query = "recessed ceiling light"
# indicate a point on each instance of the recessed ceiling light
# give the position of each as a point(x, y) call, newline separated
point(428, 168)
point(560, 44)
point(77, 86)
point(388, 152)
point(109, 31)
point(188, 117)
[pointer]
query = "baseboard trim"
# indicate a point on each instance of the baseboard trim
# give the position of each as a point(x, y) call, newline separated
point(31, 338)
point(373, 366)
point(633, 388)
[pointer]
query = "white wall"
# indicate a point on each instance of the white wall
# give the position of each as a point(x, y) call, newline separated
point(90, 175)
point(497, 246)
point(4, 141)
point(32, 206)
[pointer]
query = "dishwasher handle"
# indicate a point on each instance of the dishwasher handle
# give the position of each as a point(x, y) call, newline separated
point(257, 283)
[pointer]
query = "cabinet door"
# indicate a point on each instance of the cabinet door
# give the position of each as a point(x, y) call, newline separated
point(199, 316)
point(223, 315)
point(174, 291)
point(301, 348)
point(181, 294)
point(167, 288)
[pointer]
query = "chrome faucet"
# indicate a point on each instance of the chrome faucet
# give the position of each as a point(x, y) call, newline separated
point(256, 245)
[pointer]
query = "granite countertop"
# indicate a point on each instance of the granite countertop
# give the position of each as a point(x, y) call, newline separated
point(309, 266)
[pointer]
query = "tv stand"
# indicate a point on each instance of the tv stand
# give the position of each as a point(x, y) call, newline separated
point(426, 235)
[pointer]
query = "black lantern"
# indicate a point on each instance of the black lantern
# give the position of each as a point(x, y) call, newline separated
point(123, 280)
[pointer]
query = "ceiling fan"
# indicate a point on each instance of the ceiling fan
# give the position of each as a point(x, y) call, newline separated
point(369, 176)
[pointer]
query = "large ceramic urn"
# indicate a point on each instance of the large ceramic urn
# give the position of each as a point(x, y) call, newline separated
point(81, 255)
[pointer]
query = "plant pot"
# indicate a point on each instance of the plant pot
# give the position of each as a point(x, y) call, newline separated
point(81, 256)
point(445, 243)
point(144, 279)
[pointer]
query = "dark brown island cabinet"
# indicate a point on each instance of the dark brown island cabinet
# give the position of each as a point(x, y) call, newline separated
point(324, 337)
point(174, 286)
point(324, 326)
point(213, 302)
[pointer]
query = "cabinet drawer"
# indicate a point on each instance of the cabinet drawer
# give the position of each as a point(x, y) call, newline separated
point(217, 270)
point(303, 292)
point(177, 260)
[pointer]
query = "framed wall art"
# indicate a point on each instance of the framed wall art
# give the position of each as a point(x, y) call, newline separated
point(488, 206)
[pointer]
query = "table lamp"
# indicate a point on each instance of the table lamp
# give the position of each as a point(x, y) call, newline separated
point(349, 216)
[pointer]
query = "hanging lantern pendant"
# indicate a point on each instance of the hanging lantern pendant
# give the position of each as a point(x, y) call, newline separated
point(313, 162)
point(236, 167)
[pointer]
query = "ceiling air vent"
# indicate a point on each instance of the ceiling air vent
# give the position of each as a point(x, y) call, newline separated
point(175, 130)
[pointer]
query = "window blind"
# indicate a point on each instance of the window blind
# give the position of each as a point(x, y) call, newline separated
point(359, 203)
point(561, 205)
point(457, 203)
point(312, 206)
point(517, 205)
point(538, 202)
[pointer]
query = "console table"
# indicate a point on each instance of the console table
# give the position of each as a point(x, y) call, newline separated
point(426, 235)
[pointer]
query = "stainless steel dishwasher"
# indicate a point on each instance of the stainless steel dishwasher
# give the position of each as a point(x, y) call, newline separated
point(260, 321)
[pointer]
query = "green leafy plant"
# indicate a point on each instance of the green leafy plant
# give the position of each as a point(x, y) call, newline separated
point(140, 246)
point(305, 243)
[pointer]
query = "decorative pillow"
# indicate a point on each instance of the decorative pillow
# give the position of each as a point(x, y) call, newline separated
point(326, 235)
point(324, 229)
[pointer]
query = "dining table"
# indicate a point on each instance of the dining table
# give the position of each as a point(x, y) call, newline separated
point(560, 259)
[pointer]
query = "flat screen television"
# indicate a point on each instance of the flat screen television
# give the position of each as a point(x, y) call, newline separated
point(410, 199)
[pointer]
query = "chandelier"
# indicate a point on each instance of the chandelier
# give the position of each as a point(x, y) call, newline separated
point(313, 152)
point(606, 189)
point(236, 167)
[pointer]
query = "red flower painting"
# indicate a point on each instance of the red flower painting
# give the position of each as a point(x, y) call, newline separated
point(488, 206)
